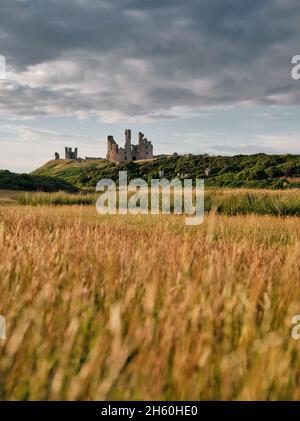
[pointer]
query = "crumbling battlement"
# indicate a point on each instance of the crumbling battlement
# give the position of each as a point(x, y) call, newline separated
point(69, 154)
point(143, 150)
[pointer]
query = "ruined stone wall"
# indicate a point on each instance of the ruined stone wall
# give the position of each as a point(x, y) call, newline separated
point(135, 153)
point(112, 149)
point(69, 154)
point(128, 136)
point(122, 155)
point(143, 150)
point(128, 147)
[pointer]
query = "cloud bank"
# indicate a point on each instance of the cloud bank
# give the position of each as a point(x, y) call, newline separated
point(146, 59)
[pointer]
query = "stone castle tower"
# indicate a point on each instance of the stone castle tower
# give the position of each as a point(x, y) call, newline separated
point(69, 154)
point(143, 150)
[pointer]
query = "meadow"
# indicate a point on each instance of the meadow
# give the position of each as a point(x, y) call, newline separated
point(144, 307)
point(223, 201)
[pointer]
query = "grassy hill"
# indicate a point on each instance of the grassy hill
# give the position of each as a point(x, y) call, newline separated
point(29, 182)
point(250, 171)
point(80, 174)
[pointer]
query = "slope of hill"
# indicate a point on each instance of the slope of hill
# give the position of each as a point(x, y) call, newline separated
point(80, 174)
point(251, 171)
point(28, 182)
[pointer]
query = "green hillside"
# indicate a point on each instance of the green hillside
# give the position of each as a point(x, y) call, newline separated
point(250, 171)
point(29, 182)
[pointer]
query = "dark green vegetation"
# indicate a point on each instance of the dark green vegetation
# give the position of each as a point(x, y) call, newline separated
point(247, 171)
point(28, 182)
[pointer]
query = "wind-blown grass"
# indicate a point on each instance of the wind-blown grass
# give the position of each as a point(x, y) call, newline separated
point(227, 202)
point(59, 198)
point(123, 307)
point(260, 202)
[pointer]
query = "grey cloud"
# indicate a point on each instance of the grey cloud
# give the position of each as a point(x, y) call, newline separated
point(145, 57)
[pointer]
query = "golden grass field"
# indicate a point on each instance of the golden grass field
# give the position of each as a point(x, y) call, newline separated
point(144, 307)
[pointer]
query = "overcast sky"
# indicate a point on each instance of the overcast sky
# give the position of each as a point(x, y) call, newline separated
point(196, 76)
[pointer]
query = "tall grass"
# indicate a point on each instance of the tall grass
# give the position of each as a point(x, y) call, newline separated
point(261, 202)
point(123, 307)
point(58, 198)
point(227, 202)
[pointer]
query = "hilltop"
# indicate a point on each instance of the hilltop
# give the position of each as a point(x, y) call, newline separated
point(250, 171)
point(82, 174)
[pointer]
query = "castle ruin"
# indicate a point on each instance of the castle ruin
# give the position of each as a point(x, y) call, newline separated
point(143, 150)
point(128, 153)
point(69, 154)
